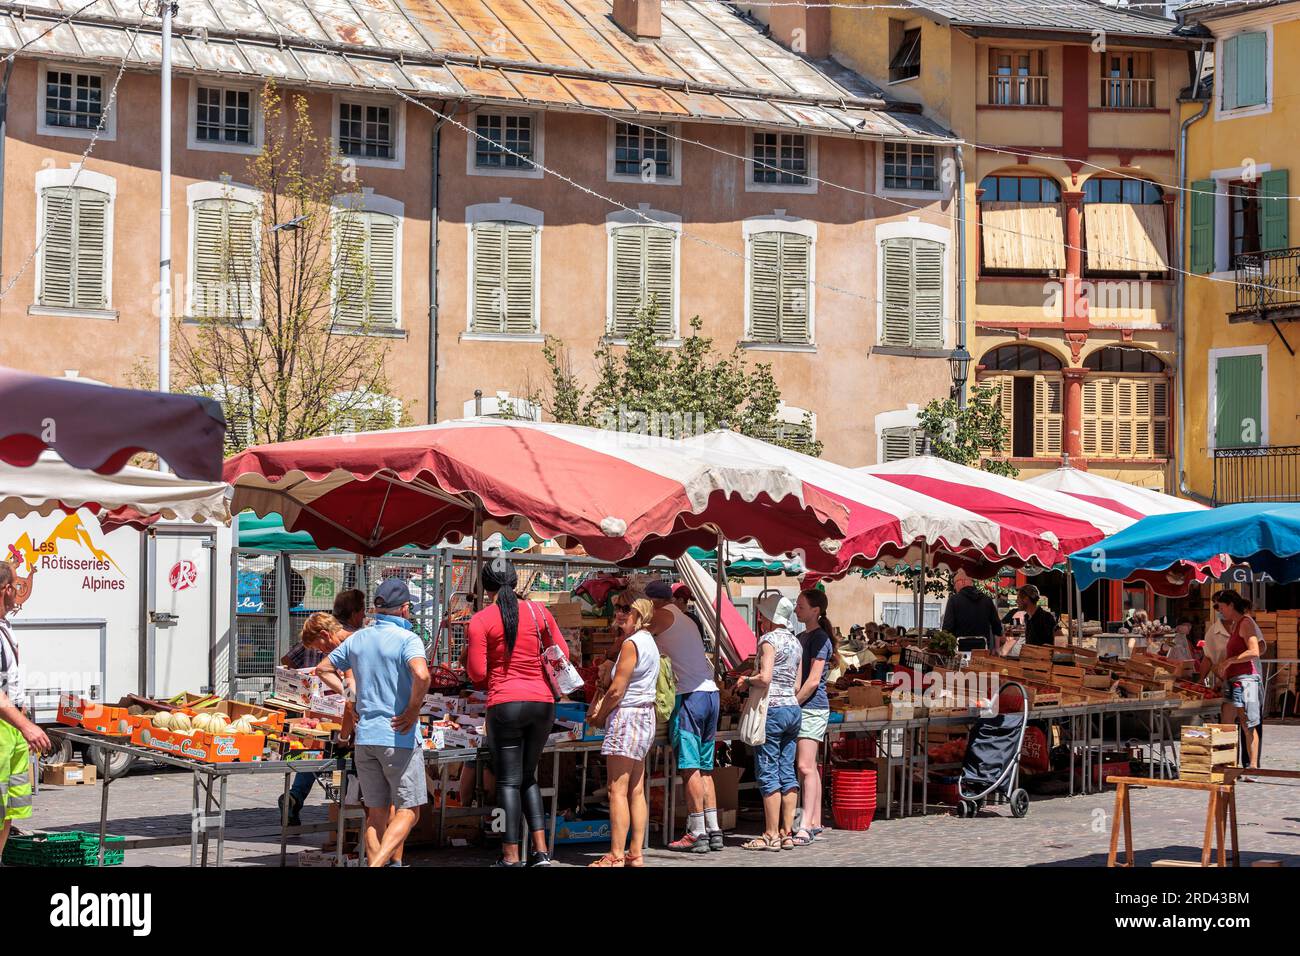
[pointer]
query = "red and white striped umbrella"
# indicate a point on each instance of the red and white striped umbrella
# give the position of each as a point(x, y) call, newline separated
point(885, 520)
point(1136, 503)
point(610, 492)
point(1036, 525)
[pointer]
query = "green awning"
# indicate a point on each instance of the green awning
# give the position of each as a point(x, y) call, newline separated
point(269, 534)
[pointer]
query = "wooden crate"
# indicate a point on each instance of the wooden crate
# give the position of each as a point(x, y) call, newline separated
point(1209, 735)
point(1068, 674)
point(1206, 751)
point(1034, 652)
point(1201, 777)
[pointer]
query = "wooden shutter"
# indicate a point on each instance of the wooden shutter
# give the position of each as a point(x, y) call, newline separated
point(1088, 422)
point(1126, 406)
point(1251, 69)
point(642, 271)
point(58, 249)
point(350, 256)
point(794, 276)
point(489, 290)
point(1006, 402)
point(382, 266)
point(74, 251)
point(1238, 401)
point(520, 244)
point(1125, 237)
point(900, 442)
point(1202, 226)
point(1047, 416)
point(1273, 210)
point(897, 321)
point(1160, 418)
point(1227, 70)
point(224, 260)
point(765, 287)
point(927, 296)
point(1023, 236)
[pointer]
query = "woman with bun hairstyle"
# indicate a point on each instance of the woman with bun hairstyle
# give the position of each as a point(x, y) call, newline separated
point(1242, 689)
point(506, 641)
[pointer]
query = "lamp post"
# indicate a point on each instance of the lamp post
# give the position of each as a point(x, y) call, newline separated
point(959, 363)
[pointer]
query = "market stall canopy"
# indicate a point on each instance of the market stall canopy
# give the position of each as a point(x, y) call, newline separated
point(268, 534)
point(98, 427)
point(737, 642)
point(131, 496)
point(1137, 503)
point(746, 559)
point(611, 492)
point(1265, 536)
point(884, 519)
point(1035, 525)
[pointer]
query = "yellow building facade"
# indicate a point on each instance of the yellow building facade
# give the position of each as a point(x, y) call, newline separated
point(1242, 440)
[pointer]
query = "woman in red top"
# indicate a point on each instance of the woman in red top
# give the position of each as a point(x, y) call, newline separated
point(506, 640)
point(1239, 669)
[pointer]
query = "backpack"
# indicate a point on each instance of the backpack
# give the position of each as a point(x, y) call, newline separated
point(665, 689)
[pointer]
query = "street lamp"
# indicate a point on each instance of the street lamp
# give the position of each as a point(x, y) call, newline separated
point(959, 362)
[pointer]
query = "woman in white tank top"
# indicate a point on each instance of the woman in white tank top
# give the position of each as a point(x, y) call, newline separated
point(627, 711)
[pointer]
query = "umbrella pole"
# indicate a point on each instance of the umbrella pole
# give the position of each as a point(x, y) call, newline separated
point(717, 606)
point(920, 589)
point(478, 558)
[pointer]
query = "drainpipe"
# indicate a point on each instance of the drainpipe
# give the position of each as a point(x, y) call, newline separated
point(961, 264)
point(431, 402)
point(1180, 292)
point(4, 135)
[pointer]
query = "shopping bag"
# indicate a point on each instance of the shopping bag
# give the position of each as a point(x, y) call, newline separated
point(564, 677)
point(753, 719)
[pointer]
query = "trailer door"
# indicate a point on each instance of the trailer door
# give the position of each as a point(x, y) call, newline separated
point(179, 623)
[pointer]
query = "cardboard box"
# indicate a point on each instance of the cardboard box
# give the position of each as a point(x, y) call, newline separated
point(328, 705)
point(726, 784)
point(298, 686)
point(866, 695)
point(322, 858)
point(204, 747)
point(68, 774)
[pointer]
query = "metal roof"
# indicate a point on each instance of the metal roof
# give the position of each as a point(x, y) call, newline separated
point(1084, 16)
point(710, 64)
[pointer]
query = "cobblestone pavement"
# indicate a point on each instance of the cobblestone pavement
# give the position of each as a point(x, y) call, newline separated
point(1059, 831)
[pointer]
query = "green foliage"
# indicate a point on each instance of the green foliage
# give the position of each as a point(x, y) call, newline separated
point(674, 392)
point(964, 435)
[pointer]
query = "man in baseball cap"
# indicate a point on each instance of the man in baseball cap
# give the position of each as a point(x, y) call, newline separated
point(391, 672)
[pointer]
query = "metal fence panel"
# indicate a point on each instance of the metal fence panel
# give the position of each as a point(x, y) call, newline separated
point(256, 624)
point(422, 573)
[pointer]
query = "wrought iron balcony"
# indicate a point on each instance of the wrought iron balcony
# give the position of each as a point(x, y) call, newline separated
point(1268, 285)
point(1259, 473)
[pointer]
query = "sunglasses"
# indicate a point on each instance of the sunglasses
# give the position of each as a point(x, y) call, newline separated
point(622, 608)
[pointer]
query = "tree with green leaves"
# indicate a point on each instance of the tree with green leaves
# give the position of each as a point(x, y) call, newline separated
point(674, 392)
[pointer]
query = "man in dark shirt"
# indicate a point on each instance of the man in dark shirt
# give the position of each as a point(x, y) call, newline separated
point(1040, 623)
point(970, 612)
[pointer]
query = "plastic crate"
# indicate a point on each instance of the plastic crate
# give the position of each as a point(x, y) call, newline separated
point(70, 848)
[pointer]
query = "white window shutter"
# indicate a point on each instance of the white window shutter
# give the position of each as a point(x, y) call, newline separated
point(244, 271)
point(489, 262)
point(629, 247)
point(58, 249)
point(91, 225)
point(381, 260)
point(927, 302)
point(206, 284)
point(350, 291)
point(659, 279)
point(900, 442)
point(765, 287)
point(897, 321)
point(795, 325)
point(520, 247)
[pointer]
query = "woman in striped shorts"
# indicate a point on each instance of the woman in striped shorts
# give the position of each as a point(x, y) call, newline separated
point(627, 712)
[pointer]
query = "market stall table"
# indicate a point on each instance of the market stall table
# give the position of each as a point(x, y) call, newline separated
point(1220, 814)
point(217, 775)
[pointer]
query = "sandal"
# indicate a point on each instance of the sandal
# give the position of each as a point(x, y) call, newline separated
point(802, 837)
point(787, 841)
point(762, 843)
point(634, 861)
point(607, 860)
point(816, 832)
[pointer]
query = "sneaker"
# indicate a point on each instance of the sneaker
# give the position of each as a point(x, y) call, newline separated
point(396, 863)
point(501, 862)
point(538, 858)
point(295, 808)
point(691, 843)
point(715, 840)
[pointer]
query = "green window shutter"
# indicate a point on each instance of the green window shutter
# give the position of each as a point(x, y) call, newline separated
point(794, 275)
point(765, 287)
point(1228, 71)
point(489, 263)
point(896, 327)
point(1251, 69)
point(927, 297)
point(58, 249)
point(1238, 401)
point(1202, 226)
point(1274, 209)
point(242, 266)
point(520, 247)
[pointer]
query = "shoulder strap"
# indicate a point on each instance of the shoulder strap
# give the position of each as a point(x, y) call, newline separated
point(543, 632)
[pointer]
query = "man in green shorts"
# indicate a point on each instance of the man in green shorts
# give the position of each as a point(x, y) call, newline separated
point(18, 734)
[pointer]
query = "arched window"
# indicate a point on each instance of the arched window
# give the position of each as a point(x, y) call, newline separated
point(1030, 394)
point(1125, 410)
point(1124, 225)
point(1115, 359)
point(1022, 228)
point(1020, 358)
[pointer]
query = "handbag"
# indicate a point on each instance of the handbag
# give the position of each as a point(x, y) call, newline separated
point(753, 719)
point(559, 670)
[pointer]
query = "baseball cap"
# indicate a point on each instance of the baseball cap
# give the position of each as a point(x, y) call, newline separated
point(681, 590)
point(392, 593)
point(659, 591)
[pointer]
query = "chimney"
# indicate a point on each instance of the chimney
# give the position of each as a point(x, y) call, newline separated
point(642, 19)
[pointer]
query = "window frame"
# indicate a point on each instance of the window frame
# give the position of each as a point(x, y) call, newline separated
point(108, 115)
point(941, 156)
point(538, 119)
point(993, 76)
point(624, 220)
point(368, 203)
point(257, 128)
point(674, 148)
point(397, 108)
point(1212, 391)
point(1222, 112)
point(505, 211)
point(928, 232)
point(751, 163)
point(1105, 78)
point(77, 178)
point(776, 222)
point(898, 56)
point(197, 193)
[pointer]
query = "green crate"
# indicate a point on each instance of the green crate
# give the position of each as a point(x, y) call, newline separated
point(69, 848)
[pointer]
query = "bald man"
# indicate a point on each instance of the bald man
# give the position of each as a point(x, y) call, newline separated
point(971, 613)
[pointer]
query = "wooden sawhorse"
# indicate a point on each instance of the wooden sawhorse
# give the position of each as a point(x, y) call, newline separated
point(1220, 815)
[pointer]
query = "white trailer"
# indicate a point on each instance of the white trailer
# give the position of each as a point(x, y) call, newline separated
point(128, 612)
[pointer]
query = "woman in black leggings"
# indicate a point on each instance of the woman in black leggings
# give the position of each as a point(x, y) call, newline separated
point(506, 640)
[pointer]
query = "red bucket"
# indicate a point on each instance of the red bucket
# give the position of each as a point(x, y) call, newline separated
point(850, 819)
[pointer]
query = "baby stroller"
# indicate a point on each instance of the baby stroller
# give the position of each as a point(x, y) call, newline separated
point(993, 759)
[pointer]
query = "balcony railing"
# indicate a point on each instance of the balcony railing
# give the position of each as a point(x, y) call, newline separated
point(1127, 94)
point(1261, 473)
point(1268, 281)
point(1018, 90)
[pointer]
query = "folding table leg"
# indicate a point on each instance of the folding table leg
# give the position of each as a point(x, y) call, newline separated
point(103, 816)
point(1232, 816)
point(196, 820)
point(1128, 831)
point(284, 821)
point(1211, 816)
point(1220, 828)
point(1116, 824)
point(221, 821)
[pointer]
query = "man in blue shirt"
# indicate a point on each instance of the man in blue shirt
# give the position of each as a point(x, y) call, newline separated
point(391, 673)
